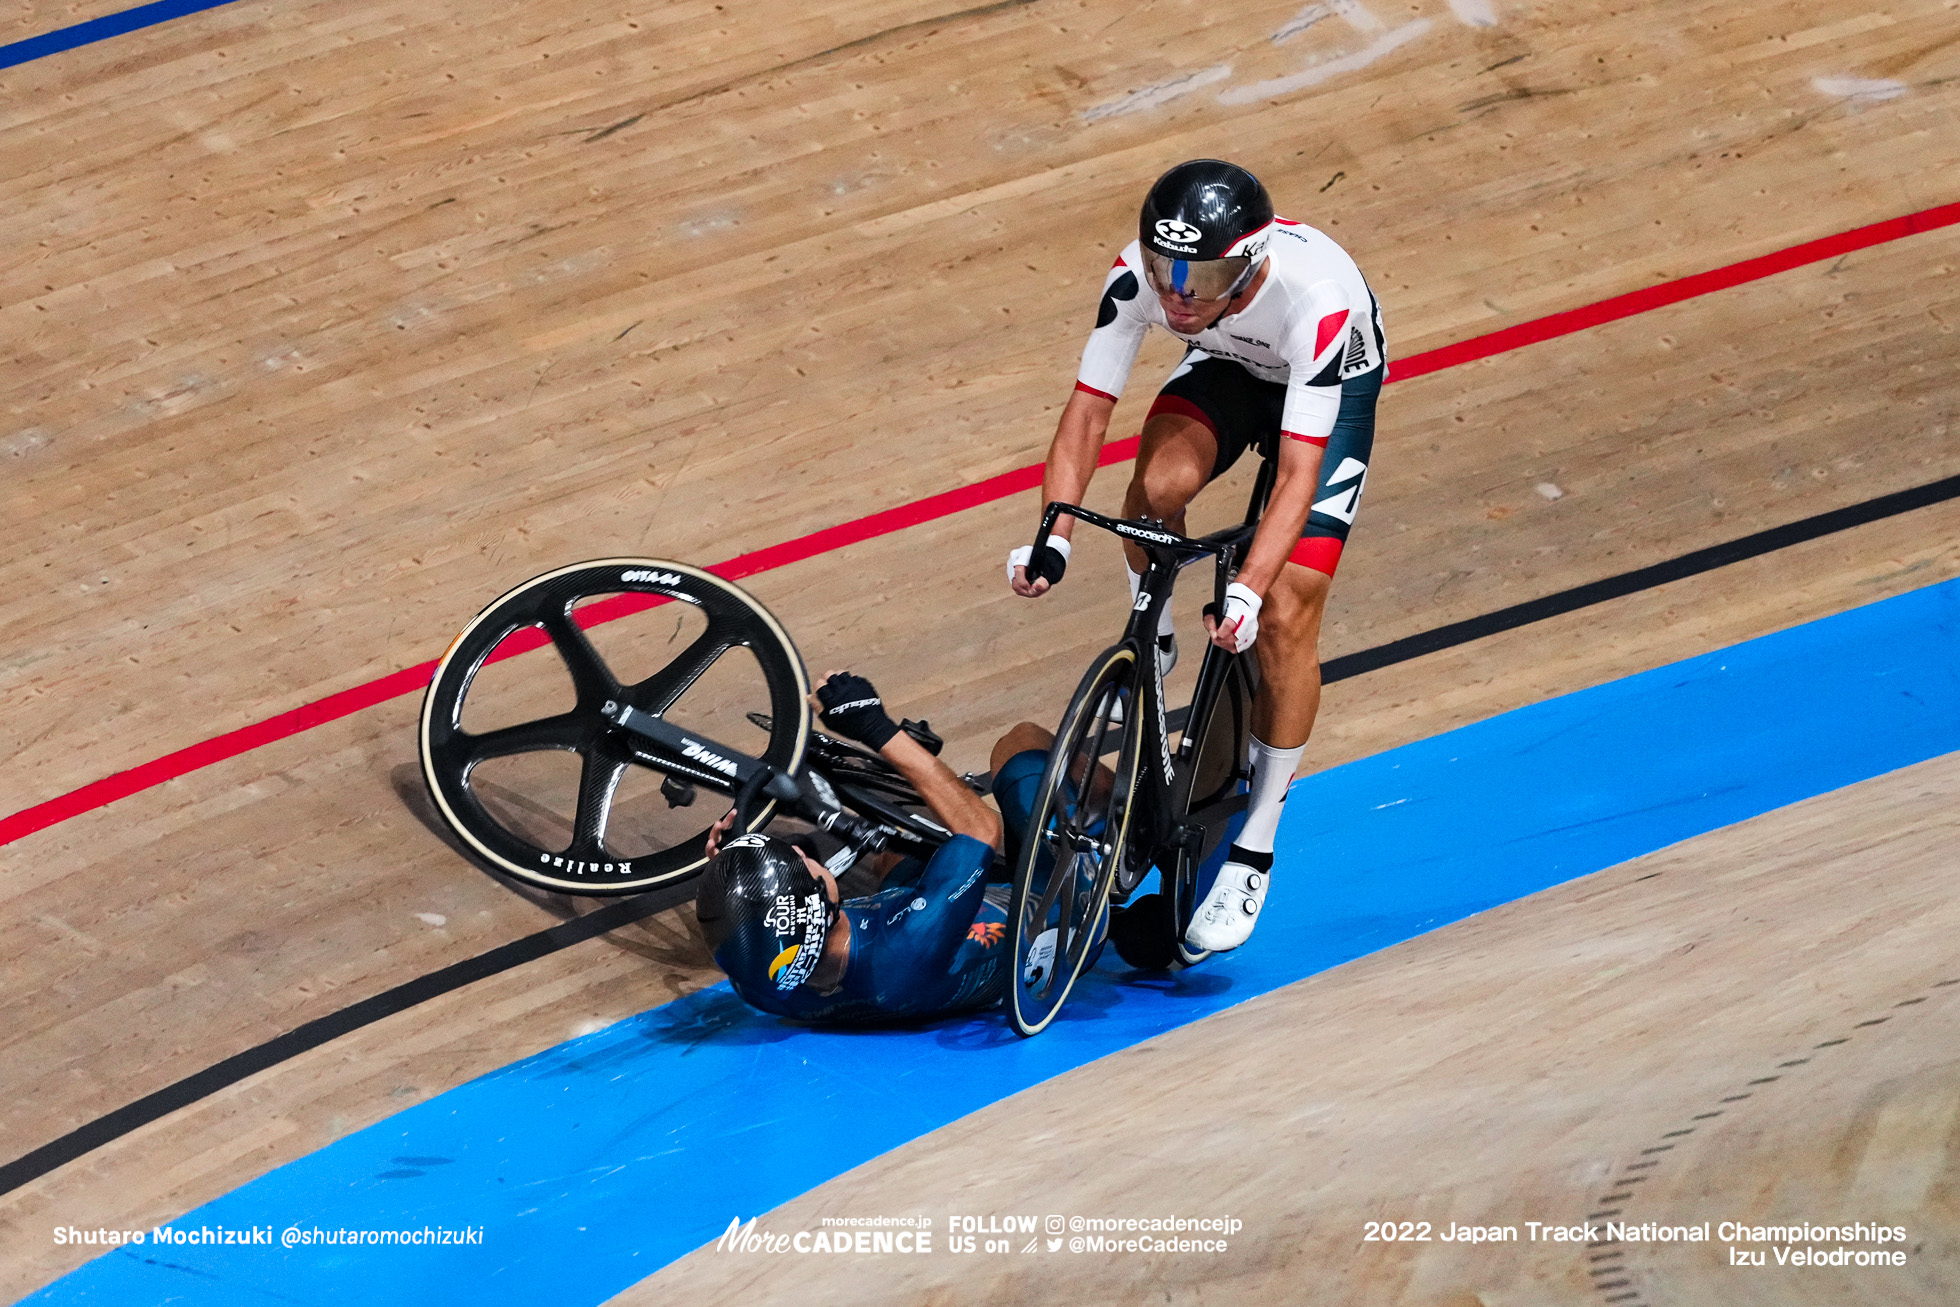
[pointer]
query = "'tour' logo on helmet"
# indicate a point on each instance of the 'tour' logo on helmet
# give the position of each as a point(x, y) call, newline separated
point(1178, 233)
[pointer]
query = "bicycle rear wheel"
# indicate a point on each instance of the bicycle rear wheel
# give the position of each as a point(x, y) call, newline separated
point(1073, 844)
point(495, 754)
point(1209, 797)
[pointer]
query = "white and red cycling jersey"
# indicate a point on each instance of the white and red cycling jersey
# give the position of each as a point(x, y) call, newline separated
point(1313, 323)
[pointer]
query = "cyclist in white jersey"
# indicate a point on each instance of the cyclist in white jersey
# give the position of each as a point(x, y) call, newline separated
point(1287, 356)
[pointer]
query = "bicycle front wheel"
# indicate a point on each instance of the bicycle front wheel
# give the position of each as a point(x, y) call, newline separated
point(526, 768)
point(1074, 843)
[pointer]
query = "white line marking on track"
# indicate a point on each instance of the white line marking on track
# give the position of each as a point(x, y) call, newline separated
point(1860, 90)
point(1356, 15)
point(1301, 21)
point(707, 223)
point(1318, 73)
point(1474, 13)
point(1160, 93)
point(24, 442)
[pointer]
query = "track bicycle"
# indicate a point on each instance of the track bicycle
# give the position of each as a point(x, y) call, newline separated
point(1097, 829)
point(574, 721)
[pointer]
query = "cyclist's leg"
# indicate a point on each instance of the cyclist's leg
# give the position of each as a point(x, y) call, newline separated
point(1173, 463)
point(1019, 758)
point(1343, 475)
point(1288, 650)
point(1020, 738)
point(1289, 665)
point(1208, 413)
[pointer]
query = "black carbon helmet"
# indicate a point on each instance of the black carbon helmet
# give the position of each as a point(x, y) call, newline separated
point(764, 914)
point(1203, 229)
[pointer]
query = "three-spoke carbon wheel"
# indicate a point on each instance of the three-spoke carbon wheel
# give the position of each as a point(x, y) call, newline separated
point(527, 769)
point(1074, 843)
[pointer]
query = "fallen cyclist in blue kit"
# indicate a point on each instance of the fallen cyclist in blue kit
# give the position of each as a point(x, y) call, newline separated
point(930, 944)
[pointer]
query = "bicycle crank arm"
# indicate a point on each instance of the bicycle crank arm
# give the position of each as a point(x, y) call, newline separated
point(695, 756)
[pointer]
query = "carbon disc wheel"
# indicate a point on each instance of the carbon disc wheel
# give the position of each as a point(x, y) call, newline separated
point(528, 772)
point(1210, 791)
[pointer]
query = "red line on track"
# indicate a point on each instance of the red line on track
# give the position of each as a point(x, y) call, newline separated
point(1673, 292)
point(408, 680)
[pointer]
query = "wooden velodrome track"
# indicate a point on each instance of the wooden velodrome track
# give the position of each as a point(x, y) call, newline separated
point(326, 323)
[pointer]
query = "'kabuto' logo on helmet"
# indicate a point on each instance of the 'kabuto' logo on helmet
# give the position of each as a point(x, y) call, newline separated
point(1178, 233)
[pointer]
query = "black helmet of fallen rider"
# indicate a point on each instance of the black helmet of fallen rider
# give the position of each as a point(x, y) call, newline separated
point(764, 913)
point(1203, 228)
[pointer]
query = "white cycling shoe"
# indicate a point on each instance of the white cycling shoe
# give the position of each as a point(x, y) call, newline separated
point(1226, 918)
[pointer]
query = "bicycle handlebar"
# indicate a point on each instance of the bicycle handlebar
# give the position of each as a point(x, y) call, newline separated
point(1151, 534)
point(869, 836)
point(754, 779)
point(799, 797)
point(1144, 531)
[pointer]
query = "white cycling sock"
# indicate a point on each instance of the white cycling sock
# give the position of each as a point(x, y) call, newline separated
point(1164, 624)
point(1272, 772)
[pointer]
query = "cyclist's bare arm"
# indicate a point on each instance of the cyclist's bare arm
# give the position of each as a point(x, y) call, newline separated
point(1071, 462)
point(1026, 735)
point(961, 810)
point(850, 706)
point(1286, 514)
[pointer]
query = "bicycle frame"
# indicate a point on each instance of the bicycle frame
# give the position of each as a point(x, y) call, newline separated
point(730, 771)
point(1167, 553)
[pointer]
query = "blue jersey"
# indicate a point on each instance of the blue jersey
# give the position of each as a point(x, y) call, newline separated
point(932, 947)
point(925, 949)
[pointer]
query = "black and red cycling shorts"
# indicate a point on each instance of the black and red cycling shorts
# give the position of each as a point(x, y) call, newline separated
point(1243, 412)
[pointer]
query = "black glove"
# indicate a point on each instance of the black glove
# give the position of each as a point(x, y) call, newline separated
point(1048, 562)
point(852, 708)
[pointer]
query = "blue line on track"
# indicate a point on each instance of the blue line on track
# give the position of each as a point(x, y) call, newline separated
point(593, 1164)
point(101, 29)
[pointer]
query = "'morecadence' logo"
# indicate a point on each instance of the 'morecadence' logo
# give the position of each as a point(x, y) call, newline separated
point(913, 1234)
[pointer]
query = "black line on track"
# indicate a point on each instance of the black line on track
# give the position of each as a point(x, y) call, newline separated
point(153, 1107)
point(1642, 578)
point(321, 1030)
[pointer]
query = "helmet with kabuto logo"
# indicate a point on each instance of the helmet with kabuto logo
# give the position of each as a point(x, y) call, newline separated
point(1203, 229)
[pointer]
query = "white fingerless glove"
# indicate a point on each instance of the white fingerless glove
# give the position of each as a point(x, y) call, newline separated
point(1240, 619)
